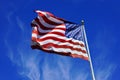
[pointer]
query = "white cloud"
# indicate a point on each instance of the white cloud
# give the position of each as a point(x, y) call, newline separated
point(20, 23)
point(9, 17)
point(21, 55)
point(58, 69)
point(51, 74)
point(27, 63)
point(103, 45)
point(105, 73)
point(104, 69)
point(64, 66)
point(82, 76)
point(30, 66)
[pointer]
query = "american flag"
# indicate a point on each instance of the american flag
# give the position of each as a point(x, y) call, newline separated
point(56, 35)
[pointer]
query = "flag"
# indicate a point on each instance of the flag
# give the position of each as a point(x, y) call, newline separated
point(56, 35)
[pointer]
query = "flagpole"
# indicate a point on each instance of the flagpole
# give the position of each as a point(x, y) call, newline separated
point(86, 42)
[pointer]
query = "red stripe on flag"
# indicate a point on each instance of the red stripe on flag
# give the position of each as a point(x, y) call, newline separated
point(79, 56)
point(45, 27)
point(60, 53)
point(63, 46)
point(60, 40)
point(47, 20)
point(42, 34)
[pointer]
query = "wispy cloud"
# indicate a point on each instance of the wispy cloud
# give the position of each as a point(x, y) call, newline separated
point(50, 73)
point(9, 17)
point(57, 69)
point(27, 62)
point(104, 68)
point(80, 76)
point(30, 66)
point(65, 66)
point(105, 72)
point(20, 23)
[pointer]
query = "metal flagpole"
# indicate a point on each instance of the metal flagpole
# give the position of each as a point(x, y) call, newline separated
point(91, 66)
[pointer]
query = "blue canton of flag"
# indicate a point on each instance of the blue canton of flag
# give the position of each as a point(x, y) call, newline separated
point(74, 31)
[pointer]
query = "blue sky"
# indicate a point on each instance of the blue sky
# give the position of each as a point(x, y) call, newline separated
point(19, 62)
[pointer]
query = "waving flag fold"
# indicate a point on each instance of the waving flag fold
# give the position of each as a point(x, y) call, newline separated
point(56, 35)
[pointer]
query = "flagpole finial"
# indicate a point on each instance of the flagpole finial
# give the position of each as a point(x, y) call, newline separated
point(82, 22)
